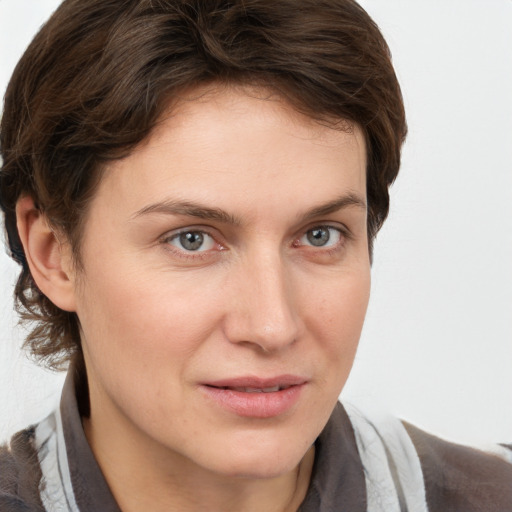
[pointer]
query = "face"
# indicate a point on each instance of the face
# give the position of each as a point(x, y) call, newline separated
point(225, 282)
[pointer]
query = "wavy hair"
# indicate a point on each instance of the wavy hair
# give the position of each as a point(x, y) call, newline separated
point(99, 74)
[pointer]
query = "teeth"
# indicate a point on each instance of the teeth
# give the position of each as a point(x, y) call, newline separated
point(258, 390)
point(271, 390)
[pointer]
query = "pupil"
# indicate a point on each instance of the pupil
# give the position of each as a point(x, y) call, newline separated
point(191, 240)
point(318, 236)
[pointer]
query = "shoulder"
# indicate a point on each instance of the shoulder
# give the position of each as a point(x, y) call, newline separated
point(461, 478)
point(410, 469)
point(20, 474)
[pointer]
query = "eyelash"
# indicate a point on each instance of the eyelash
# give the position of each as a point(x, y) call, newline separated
point(344, 235)
point(193, 255)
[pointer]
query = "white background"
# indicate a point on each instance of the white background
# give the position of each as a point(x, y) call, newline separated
point(437, 344)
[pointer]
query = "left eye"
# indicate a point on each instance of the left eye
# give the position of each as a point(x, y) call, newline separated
point(321, 236)
point(192, 241)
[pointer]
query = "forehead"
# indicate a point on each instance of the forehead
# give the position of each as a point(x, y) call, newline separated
point(219, 143)
point(217, 110)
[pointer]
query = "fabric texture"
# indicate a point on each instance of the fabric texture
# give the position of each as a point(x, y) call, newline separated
point(363, 462)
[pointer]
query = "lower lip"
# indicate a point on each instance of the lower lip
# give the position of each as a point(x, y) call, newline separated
point(255, 405)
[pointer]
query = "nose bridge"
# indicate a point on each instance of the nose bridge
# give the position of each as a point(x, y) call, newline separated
point(266, 312)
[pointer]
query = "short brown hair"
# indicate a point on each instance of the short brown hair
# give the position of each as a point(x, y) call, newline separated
point(96, 78)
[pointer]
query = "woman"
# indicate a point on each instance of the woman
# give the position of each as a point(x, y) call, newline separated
point(192, 190)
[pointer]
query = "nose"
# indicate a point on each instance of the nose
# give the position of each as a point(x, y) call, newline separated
point(264, 310)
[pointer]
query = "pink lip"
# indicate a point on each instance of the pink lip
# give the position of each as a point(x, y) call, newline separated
point(256, 405)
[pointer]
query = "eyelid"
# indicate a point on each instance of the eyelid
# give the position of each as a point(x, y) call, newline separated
point(341, 228)
point(207, 241)
point(206, 231)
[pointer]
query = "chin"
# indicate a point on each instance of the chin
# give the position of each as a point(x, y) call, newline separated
point(264, 460)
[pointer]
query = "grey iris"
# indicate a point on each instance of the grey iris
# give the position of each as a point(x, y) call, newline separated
point(191, 240)
point(318, 236)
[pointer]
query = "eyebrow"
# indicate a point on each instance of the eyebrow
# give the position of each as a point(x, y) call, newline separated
point(340, 203)
point(189, 209)
point(193, 209)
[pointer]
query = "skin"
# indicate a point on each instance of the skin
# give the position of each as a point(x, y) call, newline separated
point(257, 299)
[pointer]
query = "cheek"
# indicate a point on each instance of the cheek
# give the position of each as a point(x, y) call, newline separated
point(336, 316)
point(145, 316)
point(141, 338)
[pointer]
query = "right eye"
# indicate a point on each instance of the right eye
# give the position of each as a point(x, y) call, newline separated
point(191, 241)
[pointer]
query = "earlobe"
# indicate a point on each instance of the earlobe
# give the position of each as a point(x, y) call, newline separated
point(48, 258)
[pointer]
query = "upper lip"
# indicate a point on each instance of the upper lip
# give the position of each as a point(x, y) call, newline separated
point(258, 382)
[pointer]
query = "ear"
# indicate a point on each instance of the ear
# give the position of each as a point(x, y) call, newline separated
point(49, 259)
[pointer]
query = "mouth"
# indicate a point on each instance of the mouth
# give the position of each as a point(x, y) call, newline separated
point(251, 384)
point(251, 397)
point(241, 389)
